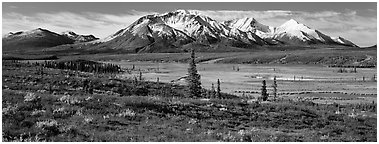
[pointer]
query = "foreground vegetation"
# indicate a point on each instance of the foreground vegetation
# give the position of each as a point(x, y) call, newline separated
point(45, 104)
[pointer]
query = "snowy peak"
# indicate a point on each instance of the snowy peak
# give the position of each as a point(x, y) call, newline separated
point(193, 24)
point(290, 23)
point(293, 32)
point(79, 38)
point(247, 24)
point(251, 25)
point(294, 27)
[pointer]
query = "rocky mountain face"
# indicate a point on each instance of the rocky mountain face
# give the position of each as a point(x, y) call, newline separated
point(182, 29)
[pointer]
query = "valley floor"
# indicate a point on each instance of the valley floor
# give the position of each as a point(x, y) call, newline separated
point(294, 81)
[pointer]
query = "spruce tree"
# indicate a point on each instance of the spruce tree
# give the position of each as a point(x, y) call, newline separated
point(213, 93)
point(275, 87)
point(264, 93)
point(218, 89)
point(193, 79)
point(135, 81)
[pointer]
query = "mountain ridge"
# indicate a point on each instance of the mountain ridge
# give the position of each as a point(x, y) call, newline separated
point(175, 30)
point(243, 33)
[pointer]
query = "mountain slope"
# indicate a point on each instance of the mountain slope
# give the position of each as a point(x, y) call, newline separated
point(343, 41)
point(35, 39)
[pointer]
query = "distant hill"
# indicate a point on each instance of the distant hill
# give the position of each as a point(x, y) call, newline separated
point(39, 39)
point(371, 47)
point(34, 39)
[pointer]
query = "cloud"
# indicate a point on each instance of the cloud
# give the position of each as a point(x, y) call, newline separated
point(13, 7)
point(119, 19)
point(357, 26)
point(223, 15)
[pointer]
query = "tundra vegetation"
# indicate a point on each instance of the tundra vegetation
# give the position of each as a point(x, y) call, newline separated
point(81, 100)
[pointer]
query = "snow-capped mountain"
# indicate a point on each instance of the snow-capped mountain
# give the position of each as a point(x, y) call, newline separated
point(79, 38)
point(182, 29)
point(168, 30)
point(178, 28)
point(290, 33)
point(37, 38)
point(293, 32)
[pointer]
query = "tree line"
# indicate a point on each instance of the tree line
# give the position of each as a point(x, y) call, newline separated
point(85, 66)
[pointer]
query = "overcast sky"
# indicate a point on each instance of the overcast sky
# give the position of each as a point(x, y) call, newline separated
point(354, 21)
